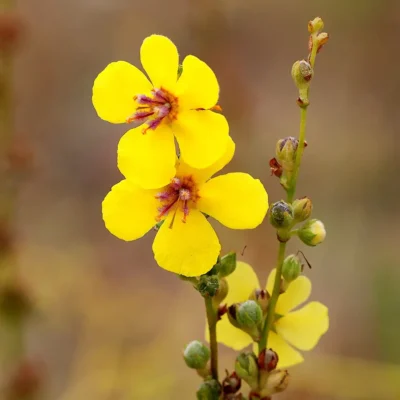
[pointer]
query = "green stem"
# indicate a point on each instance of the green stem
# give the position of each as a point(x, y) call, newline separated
point(212, 320)
point(274, 298)
point(299, 154)
point(289, 199)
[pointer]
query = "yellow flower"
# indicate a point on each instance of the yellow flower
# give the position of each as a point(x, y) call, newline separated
point(186, 243)
point(302, 328)
point(166, 107)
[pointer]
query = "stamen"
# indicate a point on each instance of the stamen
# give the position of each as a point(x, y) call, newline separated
point(162, 195)
point(181, 194)
point(154, 108)
point(164, 210)
point(176, 183)
point(140, 116)
point(143, 99)
point(160, 95)
point(185, 211)
point(173, 219)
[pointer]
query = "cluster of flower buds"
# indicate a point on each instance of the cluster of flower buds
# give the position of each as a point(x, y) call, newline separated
point(302, 70)
point(321, 38)
point(260, 373)
point(284, 217)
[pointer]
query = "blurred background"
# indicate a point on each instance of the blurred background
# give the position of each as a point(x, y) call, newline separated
point(111, 324)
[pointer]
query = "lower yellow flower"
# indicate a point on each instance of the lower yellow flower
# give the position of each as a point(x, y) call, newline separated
point(302, 328)
point(186, 243)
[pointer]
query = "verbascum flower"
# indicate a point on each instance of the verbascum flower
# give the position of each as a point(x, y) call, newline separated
point(301, 328)
point(166, 107)
point(186, 243)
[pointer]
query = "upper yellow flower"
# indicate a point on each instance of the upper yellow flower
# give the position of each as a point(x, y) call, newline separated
point(186, 243)
point(302, 328)
point(166, 106)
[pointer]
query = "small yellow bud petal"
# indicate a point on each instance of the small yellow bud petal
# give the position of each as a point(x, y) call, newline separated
point(315, 25)
point(277, 382)
point(312, 232)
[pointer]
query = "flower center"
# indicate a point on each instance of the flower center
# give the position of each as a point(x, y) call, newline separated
point(181, 192)
point(160, 105)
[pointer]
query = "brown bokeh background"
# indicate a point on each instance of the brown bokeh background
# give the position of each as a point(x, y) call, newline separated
point(111, 324)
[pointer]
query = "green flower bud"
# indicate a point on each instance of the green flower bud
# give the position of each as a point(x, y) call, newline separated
point(196, 355)
point(302, 72)
point(286, 152)
point(315, 25)
point(312, 232)
point(302, 209)
point(277, 382)
point(291, 268)
point(209, 390)
point(249, 315)
point(226, 265)
point(281, 215)
point(247, 369)
point(261, 297)
point(208, 285)
point(221, 292)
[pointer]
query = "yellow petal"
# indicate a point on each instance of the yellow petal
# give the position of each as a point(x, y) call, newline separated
point(303, 328)
point(148, 159)
point(241, 283)
point(288, 356)
point(190, 248)
point(198, 86)
point(202, 175)
point(114, 90)
point(129, 211)
point(297, 293)
point(160, 59)
point(236, 200)
point(229, 335)
point(202, 137)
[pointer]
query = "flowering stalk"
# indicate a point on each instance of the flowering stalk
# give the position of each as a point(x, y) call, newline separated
point(290, 193)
